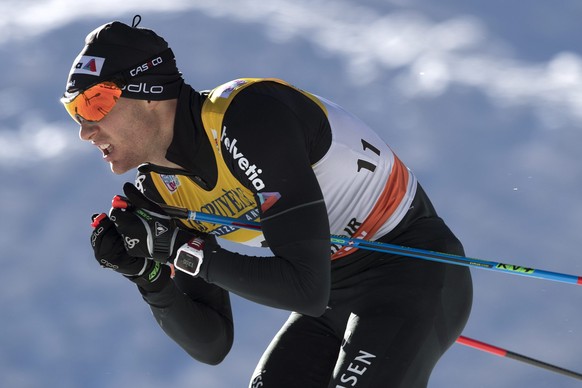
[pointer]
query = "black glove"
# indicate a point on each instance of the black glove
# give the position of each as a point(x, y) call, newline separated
point(110, 252)
point(147, 230)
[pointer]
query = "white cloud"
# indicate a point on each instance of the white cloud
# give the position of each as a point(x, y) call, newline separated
point(37, 141)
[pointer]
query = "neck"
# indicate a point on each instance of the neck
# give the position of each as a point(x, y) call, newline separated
point(166, 113)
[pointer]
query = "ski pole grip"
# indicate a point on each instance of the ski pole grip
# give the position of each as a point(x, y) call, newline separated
point(97, 219)
point(119, 202)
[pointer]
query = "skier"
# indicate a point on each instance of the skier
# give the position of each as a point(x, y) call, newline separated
point(265, 150)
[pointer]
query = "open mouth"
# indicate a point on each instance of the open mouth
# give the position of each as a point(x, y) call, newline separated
point(105, 148)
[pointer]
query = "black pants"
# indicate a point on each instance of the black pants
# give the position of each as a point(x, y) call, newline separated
point(387, 325)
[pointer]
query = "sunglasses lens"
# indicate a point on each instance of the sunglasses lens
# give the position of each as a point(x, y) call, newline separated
point(94, 103)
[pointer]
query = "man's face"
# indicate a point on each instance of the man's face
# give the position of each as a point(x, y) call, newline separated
point(126, 136)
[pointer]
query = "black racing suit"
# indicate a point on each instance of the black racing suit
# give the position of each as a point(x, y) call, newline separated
point(364, 319)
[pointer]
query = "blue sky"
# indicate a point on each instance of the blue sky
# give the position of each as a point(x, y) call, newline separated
point(482, 100)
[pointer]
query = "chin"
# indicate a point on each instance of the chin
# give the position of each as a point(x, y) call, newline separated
point(119, 170)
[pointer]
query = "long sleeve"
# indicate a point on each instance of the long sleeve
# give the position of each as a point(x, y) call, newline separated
point(297, 278)
point(196, 315)
point(282, 132)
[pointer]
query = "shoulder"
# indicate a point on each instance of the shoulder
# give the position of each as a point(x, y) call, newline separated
point(242, 89)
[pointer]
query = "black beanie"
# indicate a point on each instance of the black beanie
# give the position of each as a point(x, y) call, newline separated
point(136, 58)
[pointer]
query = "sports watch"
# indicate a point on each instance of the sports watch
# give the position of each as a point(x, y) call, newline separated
point(190, 256)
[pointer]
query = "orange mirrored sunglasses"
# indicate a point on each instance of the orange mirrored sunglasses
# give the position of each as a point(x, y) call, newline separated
point(93, 103)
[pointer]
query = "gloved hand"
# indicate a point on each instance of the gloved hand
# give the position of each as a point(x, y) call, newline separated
point(109, 250)
point(147, 230)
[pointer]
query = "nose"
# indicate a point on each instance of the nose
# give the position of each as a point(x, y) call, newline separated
point(87, 131)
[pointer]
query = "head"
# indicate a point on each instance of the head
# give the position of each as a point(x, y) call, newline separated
point(122, 90)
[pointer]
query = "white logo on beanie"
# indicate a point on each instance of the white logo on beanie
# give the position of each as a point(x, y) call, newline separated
point(88, 65)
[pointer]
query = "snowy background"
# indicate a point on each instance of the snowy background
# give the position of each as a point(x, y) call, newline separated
point(482, 99)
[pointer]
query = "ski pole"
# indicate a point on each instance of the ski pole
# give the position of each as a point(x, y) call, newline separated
point(515, 356)
point(389, 248)
point(454, 259)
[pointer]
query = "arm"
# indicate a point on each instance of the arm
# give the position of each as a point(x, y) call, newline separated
point(276, 136)
point(297, 278)
point(196, 315)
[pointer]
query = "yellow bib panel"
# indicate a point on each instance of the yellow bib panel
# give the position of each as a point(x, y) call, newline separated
point(229, 197)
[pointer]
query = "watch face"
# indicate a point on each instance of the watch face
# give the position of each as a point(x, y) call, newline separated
point(188, 263)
